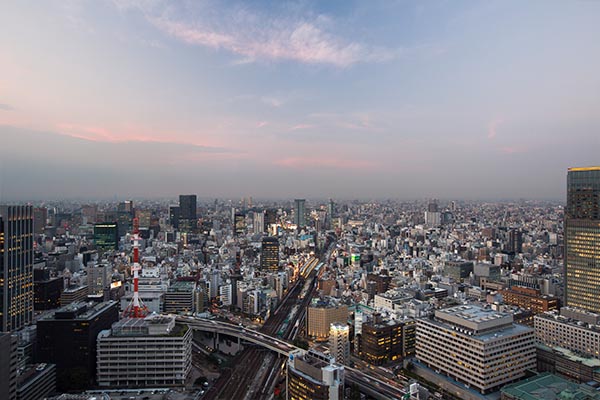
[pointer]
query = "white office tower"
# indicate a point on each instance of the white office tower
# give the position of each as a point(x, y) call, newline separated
point(314, 375)
point(141, 352)
point(339, 342)
point(258, 222)
point(477, 347)
point(225, 294)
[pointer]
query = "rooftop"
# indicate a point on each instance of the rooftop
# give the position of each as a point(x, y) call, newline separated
point(547, 386)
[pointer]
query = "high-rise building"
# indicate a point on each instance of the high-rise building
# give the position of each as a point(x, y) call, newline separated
point(141, 352)
point(188, 216)
point(174, 216)
point(8, 366)
point(179, 297)
point(269, 254)
point(270, 218)
point(321, 315)
point(258, 222)
point(239, 224)
point(478, 347)
point(16, 267)
point(106, 236)
point(300, 213)
point(339, 342)
point(582, 238)
point(67, 338)
point(40, 215)
point(313, 375)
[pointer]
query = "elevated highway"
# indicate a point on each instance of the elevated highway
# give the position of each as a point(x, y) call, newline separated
point(370, 385)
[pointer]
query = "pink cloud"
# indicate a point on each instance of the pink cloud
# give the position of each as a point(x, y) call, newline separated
point(323, 162)
point(254, 39)
point(493, 127)
point(301, 126)
point(261, 124)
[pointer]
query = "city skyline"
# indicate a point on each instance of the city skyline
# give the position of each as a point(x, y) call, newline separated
point(465, 100)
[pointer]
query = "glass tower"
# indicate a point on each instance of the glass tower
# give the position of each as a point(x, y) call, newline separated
point(16, 267)
point(582, 239)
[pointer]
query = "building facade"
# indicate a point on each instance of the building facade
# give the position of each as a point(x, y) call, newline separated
point(300, 213)
point(136, 352)
point(477, 347)
point(106, 236)
point(8, 366)
point(314, 376)
point(339, 342)
point(67, 338)
point(269, 254)
point(582, 238)
point(320, 317)
point(383, 342)
point(16, 267)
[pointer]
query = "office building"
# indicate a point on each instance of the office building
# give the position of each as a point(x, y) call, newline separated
point(320, 316)
point(188, 215)
point(315, 376)
point(270, 219)
point(174, 216)
point(73, 294)
point(458, 270)
point(16, 267)
point(46, 290)
point(478, 347)
point(141, 352)
point(98, 278)
point(106, 236)
point(582, 239)
point(269, 254)
point(36, 381)
point(179, 297)
point(385, 341)
point(529, 299)
point(8, 366)
point(572, 329)
point(567, 364)
point(239, 224)
point(258, 222)
point(339, 342)
point(40, 216)
point(67, 338)
point(300, 213)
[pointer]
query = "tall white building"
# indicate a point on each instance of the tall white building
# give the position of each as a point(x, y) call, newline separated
point(478, 347)
point(258, 222)
point(339, 342)
point(138, 352)
point(225, 294)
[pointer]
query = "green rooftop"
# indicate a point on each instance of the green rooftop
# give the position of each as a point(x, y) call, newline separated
point(548, 386)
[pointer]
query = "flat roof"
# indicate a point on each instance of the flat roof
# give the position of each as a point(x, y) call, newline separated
point(473, 313)
point(547, 386)
point(593, 168)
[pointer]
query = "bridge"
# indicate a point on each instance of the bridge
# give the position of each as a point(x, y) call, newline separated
point(368, 384)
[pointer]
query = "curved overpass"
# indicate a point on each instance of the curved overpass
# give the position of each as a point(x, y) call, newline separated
point(369, 384)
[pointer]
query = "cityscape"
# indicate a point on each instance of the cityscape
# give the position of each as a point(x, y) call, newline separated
point(299, 200)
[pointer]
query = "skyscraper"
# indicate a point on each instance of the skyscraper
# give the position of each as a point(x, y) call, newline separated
point(188, 217)
point(339, 342)
point(299, 213)
point(269, 255)
point(582, 238)
point(16, 267)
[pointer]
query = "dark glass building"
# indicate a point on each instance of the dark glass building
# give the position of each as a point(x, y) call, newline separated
point(106, 236)
point(16, 267)
point(382, 342)
point(8, 366)
point(300, 213)
point(46, 290)
point(68, 337)
point(269, 255)
point(188, 216)
point(582, 238)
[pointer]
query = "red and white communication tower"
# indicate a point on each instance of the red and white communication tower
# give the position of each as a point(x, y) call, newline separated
point(136, 309)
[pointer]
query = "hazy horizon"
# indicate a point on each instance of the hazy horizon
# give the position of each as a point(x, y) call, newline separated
point(352, 100)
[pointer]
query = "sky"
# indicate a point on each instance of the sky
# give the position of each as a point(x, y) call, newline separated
point(341, 99)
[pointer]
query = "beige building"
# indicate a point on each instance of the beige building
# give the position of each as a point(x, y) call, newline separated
point(477, 347)
point(573, 329)
point(321, 316)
